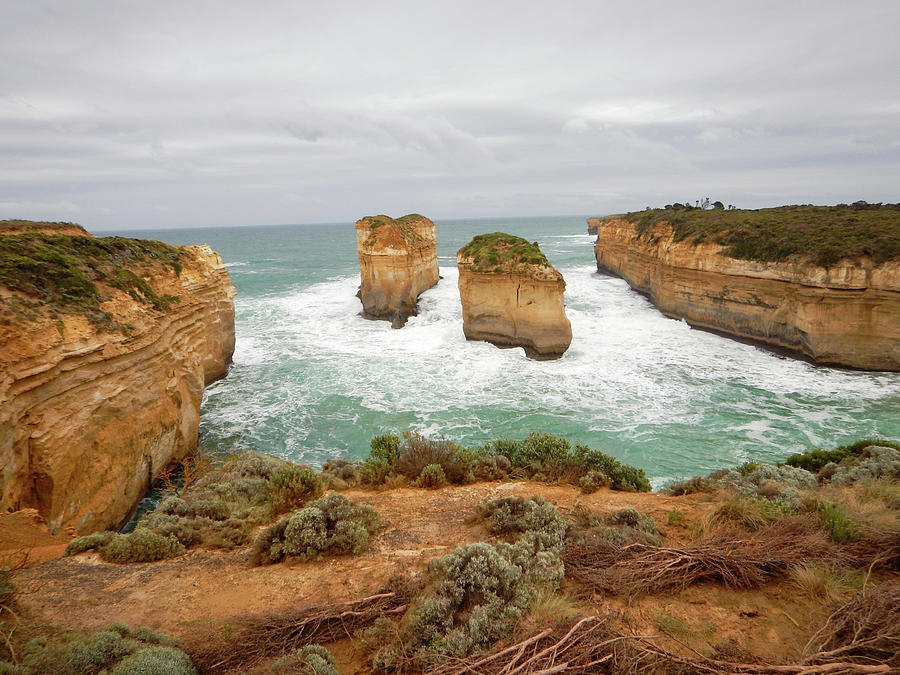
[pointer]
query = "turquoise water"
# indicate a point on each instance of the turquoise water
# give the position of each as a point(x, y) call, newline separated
point(312, 380)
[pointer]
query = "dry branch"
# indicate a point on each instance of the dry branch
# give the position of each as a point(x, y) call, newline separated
point(259, 637)
point(738, 562)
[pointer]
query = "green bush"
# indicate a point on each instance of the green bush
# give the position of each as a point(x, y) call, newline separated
point(331, 525)
point(155, 660)
point(384, 448)
point(141, 545)
point(116, 650)
point(622, 476)
point(88, 542)
point(479, 596)
point(835, 522)
point(293, 487)
point(514, 516)
point(815, 459)
point(593, 480)
point(491, 467)
point(432, 477)
point(418, 452)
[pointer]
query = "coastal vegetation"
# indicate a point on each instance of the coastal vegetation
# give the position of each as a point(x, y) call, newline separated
point(824, 233)
point(500, 252)
point(522, 591)
point(70, 273)
point(118, 650)
point(402, 225)
point(540, 457)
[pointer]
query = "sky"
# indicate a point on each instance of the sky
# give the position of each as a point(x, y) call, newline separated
point(205, 113)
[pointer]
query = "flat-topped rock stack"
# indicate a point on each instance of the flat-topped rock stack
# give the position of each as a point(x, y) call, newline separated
point(512, 297)
point(397, 261)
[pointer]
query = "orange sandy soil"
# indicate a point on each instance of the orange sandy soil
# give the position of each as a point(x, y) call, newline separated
point(187, 596)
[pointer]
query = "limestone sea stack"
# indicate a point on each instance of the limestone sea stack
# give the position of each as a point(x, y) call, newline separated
point(512, 297)
point(106, 345)
point(397, 261)
point(817, 302)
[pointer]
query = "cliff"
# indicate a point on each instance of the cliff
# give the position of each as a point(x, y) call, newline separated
point(106, 345)
point(832, 308)
point(397, 261)
point(512, 297)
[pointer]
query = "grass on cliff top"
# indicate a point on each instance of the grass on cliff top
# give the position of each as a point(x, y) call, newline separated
point(403, 225)
point(497, 251)
point(825, 233)
point(15, 225)
point(60, 273)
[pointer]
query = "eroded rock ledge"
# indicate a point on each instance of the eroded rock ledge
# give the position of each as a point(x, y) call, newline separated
point(94, 404)
point(512, 297)
point(397, 261)
point(846, 313)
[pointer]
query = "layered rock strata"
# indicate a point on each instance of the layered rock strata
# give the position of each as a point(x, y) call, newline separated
point(94, 405)
point(846, 314)
point(397, 261)
point(512, 297)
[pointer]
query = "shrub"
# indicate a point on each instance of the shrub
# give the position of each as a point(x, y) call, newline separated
point(516, 516)
point(873, 463)
point(478, 598)
point(384, 448)
point(156, 660)
point(293, 487)
point(491, 467)
point(593, 480)
point(633, 519)
point(309, 660)
point(141, 545)
point(116, 650)
point(417, 452)
point(341, 473)
point(333, 525)
point(88, 542)
point(815, 459)
point(834, 521)
point(622, 476)
point(432, 476)
point(689, 486)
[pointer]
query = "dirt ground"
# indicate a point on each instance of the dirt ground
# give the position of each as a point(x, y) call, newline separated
point(186, 596)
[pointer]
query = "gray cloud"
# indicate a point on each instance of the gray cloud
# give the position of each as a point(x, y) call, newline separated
point(134, 114)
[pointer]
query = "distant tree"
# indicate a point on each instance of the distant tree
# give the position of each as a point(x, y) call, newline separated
point(718, 205)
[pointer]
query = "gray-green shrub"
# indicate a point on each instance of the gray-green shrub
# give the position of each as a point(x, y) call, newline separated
point(117, 650)
point(330, 525)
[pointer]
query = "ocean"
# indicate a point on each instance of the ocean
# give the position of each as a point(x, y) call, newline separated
point(312, 380)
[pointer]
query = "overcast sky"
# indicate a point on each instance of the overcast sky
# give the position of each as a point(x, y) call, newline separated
point(121, 114)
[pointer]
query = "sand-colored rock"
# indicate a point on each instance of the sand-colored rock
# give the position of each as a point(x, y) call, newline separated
point(89, 417)
point(397, 261)
point(847, 314)
point(513, 303)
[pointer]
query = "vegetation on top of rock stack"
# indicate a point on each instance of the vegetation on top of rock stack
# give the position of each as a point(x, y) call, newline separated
point(499, 252)
point(402, 225)
point(824, 233)
point(68, 272)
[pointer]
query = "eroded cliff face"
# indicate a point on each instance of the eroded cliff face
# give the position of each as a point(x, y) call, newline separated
point(397, 261)
point(91, 413)
point(514, 305)
point(846, 314)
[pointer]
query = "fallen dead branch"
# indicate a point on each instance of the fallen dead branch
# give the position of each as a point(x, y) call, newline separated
point(589, 646)
point(260, 637)
point(864, 629)
point(736, 561)
point(592, 646)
